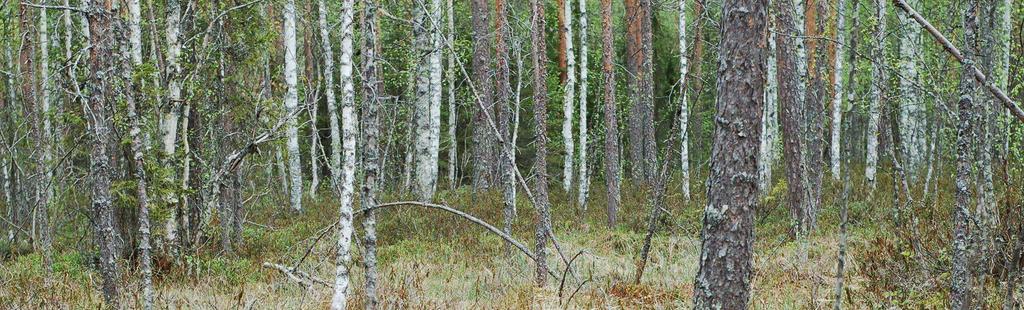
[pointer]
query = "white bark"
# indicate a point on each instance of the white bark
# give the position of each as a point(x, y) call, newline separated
point(282, 170)
point(684, 140)
point(452, 116)
point(584, 175)
point(569, 98)
point(332, 107)
point(912, 116)
point(171, 113)
point(876, 96)
point(346, 190)
point(45, 191)
point(770, 118)
point(135, 52)
point(291, 105)
point(837, 91)
point(428, 97)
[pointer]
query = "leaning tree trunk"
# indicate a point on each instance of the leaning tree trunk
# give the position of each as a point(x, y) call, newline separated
point(540, 103)
point(427, 110)
point(961, 279)
point(611, 119)
point(291, 105)
point(103, 95)
point(583, 188)
point(569, 98)
point(483, 139)
point(348, 165)
point(372, 92)
point(726, 260)
point(684, 140)
point(877, 78)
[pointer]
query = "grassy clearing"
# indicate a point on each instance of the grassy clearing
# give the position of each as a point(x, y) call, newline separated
point(429, 259)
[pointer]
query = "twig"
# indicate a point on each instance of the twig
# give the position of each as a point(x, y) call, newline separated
point(302, 277)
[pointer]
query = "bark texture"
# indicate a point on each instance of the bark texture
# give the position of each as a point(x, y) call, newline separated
point(540, 103)
point(426, 32)
point(291, 106)
point(611, 119)
point(372, 92)
point(726, 261)
point(484, 148)
point(346, 191)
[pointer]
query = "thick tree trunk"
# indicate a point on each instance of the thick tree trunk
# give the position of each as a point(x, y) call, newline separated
point(569, 92)
point(484, 159)
point(877, 78)
point(103, 93)
point(611, 119)
point(727, 263)
point(372, 92)
point(349, 123)
point(428, 107)
point(814, 112)
point(540, 103)
point(291, 105)
point(684, 139)
point(332, 106)
point(583, 188)
point(639, 50)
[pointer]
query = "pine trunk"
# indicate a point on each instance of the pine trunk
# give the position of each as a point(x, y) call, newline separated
point(611, 119)
point(727, 238)
point(483, 139)
point(540, 103)
point(504, 115)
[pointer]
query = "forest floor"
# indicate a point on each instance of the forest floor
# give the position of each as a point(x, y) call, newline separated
point(431, 259)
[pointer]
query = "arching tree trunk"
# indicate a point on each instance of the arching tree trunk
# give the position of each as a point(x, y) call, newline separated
point(727, 238)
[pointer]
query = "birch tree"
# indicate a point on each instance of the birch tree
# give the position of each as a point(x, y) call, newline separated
point(727, 237)
point(44, 191)
point(332, 105)
point(504, 103)
point(684, 140)
point(137, 147)
point(540, 102)
point(170, 116)
point(837, 88)
point(291, 105)
point(569, 96)
point(962, 278)
point(770, 118)
point(348, 132)
point(372, 92)
point(452, 116)
point(877, 76)
point(426, 41)
point(584, 173)
point(912, 117)
point(611, 119)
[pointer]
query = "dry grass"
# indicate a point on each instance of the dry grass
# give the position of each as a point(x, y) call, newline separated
point(434, 260)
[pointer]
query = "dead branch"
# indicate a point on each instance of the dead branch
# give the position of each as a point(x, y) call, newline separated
point(980, 77)
point(473, 219)
point(302, 277)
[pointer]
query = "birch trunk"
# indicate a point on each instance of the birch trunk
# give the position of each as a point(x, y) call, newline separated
point(961, 279)
point(332, 105)
point(684, 140)
point(770, 118)
point(540, 102)
point(569, 97)
point(102, 98)
point(452, 115)
point(291, 105)
point(913, 124)
point(135, 43)
point(611, 119)
point(723, 280)
point(371, 151)
point(348, 133)
point(505, 111)
point(45, 158)
point(584, 173)
point(428, 96)
point(877, 76)
point(837, 88)
point(170, 117)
